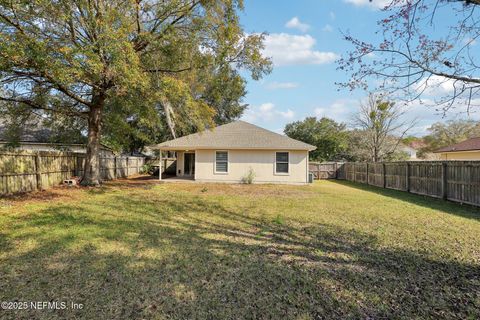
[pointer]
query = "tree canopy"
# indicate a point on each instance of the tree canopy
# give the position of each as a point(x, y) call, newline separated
point(443, 134)
point(129, 62)
point(382, 125)
point(328, 136)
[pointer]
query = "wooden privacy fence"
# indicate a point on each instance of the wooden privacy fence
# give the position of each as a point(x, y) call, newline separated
point(457, 181)
point(28, 171)
point(169, 165)
point(327, 170)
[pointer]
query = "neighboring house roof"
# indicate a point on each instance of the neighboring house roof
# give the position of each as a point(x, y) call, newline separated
point(417, 144)
point(472, 144)
point(33, 133)
point(29, 134)
point(235, 135)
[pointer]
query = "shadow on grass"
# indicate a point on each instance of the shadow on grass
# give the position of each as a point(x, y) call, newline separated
point(466, 211)
point(130, 257)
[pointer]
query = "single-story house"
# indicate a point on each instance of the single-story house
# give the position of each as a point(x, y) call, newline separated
point(465, 150)
point(228, 153)
point(37, 138)
point(411, 152)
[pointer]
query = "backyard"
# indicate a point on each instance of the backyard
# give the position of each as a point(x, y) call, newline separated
point(139, 249)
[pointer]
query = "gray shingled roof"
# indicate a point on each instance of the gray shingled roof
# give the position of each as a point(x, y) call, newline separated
point(235, 135)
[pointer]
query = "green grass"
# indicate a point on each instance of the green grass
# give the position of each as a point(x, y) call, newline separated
point(191, 251)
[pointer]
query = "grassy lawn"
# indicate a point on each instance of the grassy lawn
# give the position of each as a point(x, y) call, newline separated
point(204, 251)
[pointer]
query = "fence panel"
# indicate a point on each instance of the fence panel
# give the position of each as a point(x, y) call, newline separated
point(426, 178)
point(323, 170)
point(55, 167)
point(17, 172)
point(396, 175)
point(349, 169)
point(463, 182)
point(341, 171)
point(375, 174)
point(28, 171)
point(360, 172)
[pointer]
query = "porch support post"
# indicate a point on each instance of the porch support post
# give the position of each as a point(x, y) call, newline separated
point(160, 166)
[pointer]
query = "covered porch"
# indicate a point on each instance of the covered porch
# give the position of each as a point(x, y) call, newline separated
point(184, 166)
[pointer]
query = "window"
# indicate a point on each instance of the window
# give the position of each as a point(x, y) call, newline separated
point(221, 161)
point(281, 162)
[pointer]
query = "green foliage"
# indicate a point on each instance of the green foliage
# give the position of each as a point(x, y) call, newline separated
point(147, 168)
point(249, 177)
point(443, 134)
point(136, 61)
point(330, 137)
point(224, 92)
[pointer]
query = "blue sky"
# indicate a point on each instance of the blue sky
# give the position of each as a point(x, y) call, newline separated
point(304, 40)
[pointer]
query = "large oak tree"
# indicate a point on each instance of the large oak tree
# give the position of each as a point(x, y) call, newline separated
point(80, 58)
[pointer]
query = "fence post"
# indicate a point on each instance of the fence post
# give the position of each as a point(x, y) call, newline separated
point(138, 168)
point(115, 167)
point(128, 164)
point(384, 167)
point(354, 172)
point(38, 172)
point(336, 171)
point(407, 178)
point(444, 180)
point(366, 174)
point(74, 165)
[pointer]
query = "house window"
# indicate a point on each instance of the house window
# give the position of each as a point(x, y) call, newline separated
point(281, 162)
point(221, 161)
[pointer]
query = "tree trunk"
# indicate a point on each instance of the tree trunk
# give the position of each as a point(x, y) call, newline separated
point(91, 174)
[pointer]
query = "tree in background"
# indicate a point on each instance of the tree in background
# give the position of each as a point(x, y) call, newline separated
point(380, 127)
point(424, 45)
point(328, 136)
point(77, 58)
point(443, 134)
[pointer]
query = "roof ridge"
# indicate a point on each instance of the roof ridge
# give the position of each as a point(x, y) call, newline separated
point(241, 135)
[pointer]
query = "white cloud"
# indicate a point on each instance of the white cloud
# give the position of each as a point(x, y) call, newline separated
point(287, 49)
point(435, 86)
point(378, 4)
point(327, 28)
point(341, 110)
point(282, 85)
point(295, 23)
point(424, 113)
point(332, 15)
point(267, 112)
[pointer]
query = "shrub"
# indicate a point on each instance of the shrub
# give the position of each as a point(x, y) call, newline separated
point(249, 177)
point(146, 168)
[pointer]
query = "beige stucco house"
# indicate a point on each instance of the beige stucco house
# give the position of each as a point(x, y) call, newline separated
point(465, 150)
point(229, 152)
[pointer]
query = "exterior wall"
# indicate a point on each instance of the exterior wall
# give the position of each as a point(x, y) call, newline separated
point(465, 155)
point(262, 163)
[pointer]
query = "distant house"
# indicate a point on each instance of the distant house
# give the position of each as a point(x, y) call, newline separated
point(37, 138)
point(465, 150)
point(411, 152)
point(228, 153)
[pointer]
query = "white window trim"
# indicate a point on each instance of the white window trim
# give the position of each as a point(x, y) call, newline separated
point(215, 162)
point(275, 164)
